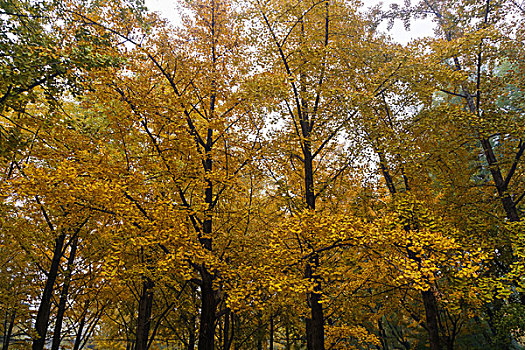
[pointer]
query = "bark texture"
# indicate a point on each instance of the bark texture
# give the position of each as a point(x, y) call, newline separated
point(44, 309)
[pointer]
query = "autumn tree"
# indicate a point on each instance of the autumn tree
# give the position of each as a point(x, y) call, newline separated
point(37, 72)
point(194, 185)
point(186, 107)
point(310, 52)
point(463, 84)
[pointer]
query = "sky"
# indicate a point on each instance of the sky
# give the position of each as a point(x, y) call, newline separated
point(418, 28)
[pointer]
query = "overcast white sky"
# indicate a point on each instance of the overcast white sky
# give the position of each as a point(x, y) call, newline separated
point(418, 28)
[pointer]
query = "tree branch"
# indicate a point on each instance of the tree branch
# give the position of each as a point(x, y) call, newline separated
point(521, 149)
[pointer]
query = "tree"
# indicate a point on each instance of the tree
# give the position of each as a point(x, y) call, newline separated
point(194, 123)
point(300, 50)
point(166, 186)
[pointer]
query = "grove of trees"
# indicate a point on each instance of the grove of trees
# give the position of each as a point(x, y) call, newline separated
point(266, 174)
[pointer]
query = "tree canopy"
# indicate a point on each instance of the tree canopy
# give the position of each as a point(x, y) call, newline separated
point(267, 174)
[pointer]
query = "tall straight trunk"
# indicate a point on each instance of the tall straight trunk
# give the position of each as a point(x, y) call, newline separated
point(78, 337)
point(270, 346)
point(429, 299)
point(260, 332)
point(288, 345)
point(208, 296)
point(228, 330)
point(259, 340)
point(314, 324)
point(144, 316)
point(236, 327)
point(63, 294)
point(9, 331)
point(474, 106)
point(509, 206)
point(208, 310)
point(431, 313)
point(306, 115)
point(44, 309)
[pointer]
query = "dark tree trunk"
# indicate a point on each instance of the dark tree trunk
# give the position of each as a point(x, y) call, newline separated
point(288, 344)
point(509, 206)
point(208, 310)
point(259, 341)
point(310, 204)
point(208, 297)
point(9, 330)
point(144, 316)
point(260, 332)
point(386, 173)
point(78, 337)
point(431, 313)
point(228, 330)
point(315, 324)
point(63, 295)
point(501, 185)
point(44, 310)
point(236, 327)
point(270, 346)
point(429, 299)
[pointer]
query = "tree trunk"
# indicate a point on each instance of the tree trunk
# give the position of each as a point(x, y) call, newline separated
point(208, 309)
point(314, 325)
point(260, 332)
point(228, 330)
point(508, 204)
point(236, 327)
point(288, 344)
point(259, 341)
point(208, 297)
point(44, 310)
point(270, 347)
point(386, 174)
point(429, 299)
point(78, 338)
point(431, 313)
point(9, 330)
point(63, 295)
point(144, 316)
